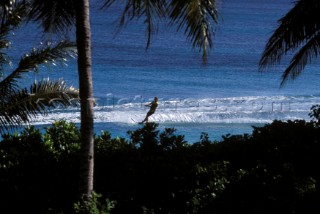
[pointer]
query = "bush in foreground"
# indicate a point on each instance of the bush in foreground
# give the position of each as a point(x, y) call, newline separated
point(274, 169)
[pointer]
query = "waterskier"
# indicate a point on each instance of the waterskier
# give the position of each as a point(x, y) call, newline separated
point(153, 106)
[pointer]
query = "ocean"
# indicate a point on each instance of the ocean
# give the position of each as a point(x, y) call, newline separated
point(228, 95)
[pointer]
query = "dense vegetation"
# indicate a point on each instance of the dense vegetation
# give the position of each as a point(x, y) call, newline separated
point(273, 170)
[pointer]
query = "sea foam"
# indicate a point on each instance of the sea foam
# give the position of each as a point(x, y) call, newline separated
point(251, 109)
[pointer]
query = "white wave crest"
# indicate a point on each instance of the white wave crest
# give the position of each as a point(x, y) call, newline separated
point(253, 109)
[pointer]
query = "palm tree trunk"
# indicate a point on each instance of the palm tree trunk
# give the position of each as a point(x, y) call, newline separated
point(83, 35)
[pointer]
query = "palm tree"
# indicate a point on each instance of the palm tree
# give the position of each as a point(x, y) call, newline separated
point(298, 30)
point(19, 105)
point(193, 16)
point(83, 34)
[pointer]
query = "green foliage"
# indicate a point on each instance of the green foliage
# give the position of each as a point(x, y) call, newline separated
point(315, 115)
point(94, 206)
point(170, 141)
point(146, 137)
point(33, 177)
point(274, 168)
point(62, 137)
point(18, 147)
point(104, 143)
point(210, 182)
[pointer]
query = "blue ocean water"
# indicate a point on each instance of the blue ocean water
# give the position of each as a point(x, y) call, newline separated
point(228, 95)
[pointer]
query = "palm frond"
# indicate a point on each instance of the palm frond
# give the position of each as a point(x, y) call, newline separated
point(11, 22)
point(50, 94)
point(30, 62)
point(6, 6)
point(54, 16)
point(12, 110)
point(151, 10)
point(310, 50)
point(51, 53)
point(3, 60)
point(195, 17)
point(107, 3)
point(295, 28)
point(14, 18)
point(23, 105)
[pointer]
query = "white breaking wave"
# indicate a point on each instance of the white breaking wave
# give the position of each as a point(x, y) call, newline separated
point(253, 109)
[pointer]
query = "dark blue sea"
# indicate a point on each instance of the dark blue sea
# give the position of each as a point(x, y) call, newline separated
point(228, 95)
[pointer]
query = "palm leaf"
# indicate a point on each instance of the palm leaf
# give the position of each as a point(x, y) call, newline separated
point(7, 118)
point(11, 22)
point(50, 94)
point(195, 17)
point(299, 61)
point(3, 60)
point(23, 105)
point(14, 17)
point(6, 7)
point(151, 10)
point(295, 29)
point(55, 16)
point(30, 62)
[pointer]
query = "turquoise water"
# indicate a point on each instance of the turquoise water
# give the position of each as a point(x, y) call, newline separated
point(228, 95)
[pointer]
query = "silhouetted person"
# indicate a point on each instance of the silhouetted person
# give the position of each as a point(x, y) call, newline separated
point(153, 106)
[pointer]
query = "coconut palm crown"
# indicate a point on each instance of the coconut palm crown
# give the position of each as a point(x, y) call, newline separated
point(298, 33)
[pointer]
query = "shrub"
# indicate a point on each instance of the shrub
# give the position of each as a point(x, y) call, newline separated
point(275, 169)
